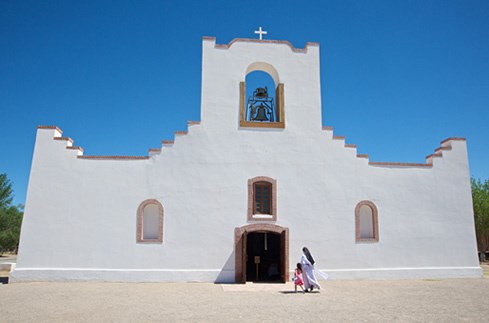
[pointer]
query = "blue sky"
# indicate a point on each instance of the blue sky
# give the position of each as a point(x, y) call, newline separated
point(397, 77)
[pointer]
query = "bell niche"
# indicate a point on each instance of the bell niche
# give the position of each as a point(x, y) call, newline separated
point(261, 99)
point(260, 107)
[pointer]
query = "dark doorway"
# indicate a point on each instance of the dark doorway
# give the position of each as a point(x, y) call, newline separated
point(264, 259)
point(277, 253)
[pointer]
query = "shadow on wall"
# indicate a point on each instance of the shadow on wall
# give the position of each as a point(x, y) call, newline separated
point(226, 275)
point(3, 280)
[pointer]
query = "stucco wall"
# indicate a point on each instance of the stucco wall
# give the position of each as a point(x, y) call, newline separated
point(81, 213)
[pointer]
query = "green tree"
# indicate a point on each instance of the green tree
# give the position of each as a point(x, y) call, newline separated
point(10, 217)
point(480, 200)
point(10, 223)
point(6, 195)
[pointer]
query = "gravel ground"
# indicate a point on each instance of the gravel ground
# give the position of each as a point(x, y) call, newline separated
point(449, 300)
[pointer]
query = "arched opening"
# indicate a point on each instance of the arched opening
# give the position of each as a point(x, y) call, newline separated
point(366, 222)
point(262, 98)
point(263, 257)
point(265, 67)
point(262, 199)
point(262, 253)
point(259, 79)
point(149, 222)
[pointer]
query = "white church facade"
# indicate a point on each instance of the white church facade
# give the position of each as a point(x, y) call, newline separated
point(236, 196)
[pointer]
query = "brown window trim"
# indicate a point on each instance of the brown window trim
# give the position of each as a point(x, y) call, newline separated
point(252, 216)
point(139, 229)
point(375, 219)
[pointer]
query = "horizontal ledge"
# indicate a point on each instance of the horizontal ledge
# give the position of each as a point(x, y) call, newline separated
point(119, 269)
point(399, 164)
point(453, 139)
point(437, 150)
point(75, 148)
point(50, 127)
point(114, 157)
point(434, 155)
point(248, 124)
point(397, 269)
point(262, 41)
point(64, 139)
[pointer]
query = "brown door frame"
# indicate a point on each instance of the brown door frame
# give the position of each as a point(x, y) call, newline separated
point(240, 238)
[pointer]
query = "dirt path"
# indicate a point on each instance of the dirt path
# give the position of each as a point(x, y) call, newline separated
point(339, 301)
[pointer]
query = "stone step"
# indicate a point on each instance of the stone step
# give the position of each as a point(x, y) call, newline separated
point(7, 266)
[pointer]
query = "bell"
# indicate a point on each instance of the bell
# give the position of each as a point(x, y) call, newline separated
point(261, 114)
point(261, 92)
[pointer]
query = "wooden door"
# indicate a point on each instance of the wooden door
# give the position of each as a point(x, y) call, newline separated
point(244, 253)
point(284, 263)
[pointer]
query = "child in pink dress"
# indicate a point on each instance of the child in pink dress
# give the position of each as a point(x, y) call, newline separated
point(298, 278)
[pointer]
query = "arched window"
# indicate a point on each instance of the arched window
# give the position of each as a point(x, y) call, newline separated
point(366, 222)
point(150, 222)
point(262, 202)
point(262, 199)
point(261, 98)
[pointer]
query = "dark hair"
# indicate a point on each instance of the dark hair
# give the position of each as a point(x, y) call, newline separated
point(299, 265)
point(308, 255)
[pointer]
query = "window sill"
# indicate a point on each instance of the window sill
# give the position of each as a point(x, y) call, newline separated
point(367, 241)
point(249, 124)
point(150, 241)
point(262, 217)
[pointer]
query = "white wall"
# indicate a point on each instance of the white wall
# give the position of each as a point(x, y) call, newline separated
point(80, 217)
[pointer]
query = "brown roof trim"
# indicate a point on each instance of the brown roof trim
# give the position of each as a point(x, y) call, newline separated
point(453, 138)
point(50, 127)
point(339, 137)
point(327, 128)
point(350, 146)
point(75, 148)
point(434, 155)
point(266, 41)
point(189, 122)
point(181, 132)
point(399, 164)
point(438, 153)
point(64, 138)
point(362, 156)
point(439, 149)
point(114, 157)
point(168, 142)
point(154, 150)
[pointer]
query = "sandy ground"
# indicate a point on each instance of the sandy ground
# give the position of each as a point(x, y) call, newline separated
point(449, 300)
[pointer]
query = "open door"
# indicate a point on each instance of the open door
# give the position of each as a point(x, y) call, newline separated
point(284, 247)
point(244, 256)
point(240, 241)
point(264, 257)
point(270, 263)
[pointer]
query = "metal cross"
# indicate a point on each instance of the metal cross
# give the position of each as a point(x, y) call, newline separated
point(260, 32)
